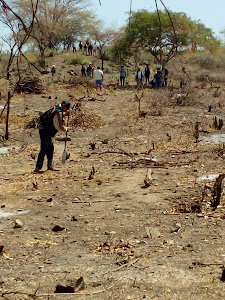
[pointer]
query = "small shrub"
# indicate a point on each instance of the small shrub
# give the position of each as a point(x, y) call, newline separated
point(107, 70)
point(41, 62)
point(76, 60)
point(204, 60)
point(221, 61)
point(203, 77)
point(210, 77)
point(85, 120)
point(50, 52)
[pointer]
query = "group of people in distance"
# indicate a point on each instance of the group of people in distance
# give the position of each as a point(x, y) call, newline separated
point(88, 48)
point(90, 72)
point(156, 82)
point(87, 71)
point(159, 79)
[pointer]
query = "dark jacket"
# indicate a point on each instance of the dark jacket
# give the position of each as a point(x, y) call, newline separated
point(46, 123)
point(147, 71)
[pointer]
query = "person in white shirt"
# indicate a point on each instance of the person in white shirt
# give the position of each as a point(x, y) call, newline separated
point(139, 75)
point(98, 78)
point(94, 49)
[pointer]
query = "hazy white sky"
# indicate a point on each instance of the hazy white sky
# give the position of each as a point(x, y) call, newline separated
point(209, 12)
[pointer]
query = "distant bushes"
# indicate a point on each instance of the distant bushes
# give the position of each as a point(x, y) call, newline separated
point(206, 76)
point(204, 60)
point(208, 60)
point(76, 60)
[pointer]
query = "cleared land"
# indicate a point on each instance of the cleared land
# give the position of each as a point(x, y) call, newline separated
point(127, 240)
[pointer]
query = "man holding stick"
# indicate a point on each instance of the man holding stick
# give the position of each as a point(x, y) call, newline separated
point(50, 123)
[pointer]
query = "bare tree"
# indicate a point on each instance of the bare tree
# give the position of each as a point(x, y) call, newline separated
point(19, 34)
point(103, 37)
point(57, 21)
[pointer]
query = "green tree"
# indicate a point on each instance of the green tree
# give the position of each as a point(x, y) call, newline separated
point(163, 33)
point(201, 37)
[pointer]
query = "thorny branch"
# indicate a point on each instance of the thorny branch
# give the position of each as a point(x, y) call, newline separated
point(20, 34)
point(172, 52)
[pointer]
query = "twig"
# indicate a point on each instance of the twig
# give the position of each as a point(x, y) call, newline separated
point(115, 152)
point(20, 293)
point(123, 266)
point(198, 263)
point(97, 201)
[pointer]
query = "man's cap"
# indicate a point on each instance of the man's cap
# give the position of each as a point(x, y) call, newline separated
point(66, 103)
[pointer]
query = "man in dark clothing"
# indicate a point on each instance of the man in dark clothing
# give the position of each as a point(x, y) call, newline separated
point(158, 79)
point(89, 70)
point(147, 74)
point(90, 48)
point(80, 46)
point(83, 70)
point(74, 47)
point(123, 75)
point(85, 49)
point(165, 73)
point(50, 123)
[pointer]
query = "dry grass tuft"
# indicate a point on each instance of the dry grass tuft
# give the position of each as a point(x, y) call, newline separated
point(85, 120)
point(15, 120)
point(3, 88)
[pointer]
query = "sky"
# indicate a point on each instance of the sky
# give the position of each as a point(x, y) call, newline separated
point(210, 12)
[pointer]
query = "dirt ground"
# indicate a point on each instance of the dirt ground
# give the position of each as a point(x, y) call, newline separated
point(126, 239)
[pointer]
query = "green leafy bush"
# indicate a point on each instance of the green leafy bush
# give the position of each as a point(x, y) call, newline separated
point(76, 60)
point(50, 52)
point(41, 62)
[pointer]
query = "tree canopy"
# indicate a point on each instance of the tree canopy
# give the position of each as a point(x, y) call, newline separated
point(163, 33)
point(57, 22)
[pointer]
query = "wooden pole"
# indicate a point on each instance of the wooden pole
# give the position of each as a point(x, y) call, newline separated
point(7, 118)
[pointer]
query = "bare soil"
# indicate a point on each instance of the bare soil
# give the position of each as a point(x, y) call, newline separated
point(100, 199)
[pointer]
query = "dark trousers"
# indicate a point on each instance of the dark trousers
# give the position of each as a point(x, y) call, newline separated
point(122, 80)
point(158, 83)
point(147, 78)
point(165, 82)
point(47, 148)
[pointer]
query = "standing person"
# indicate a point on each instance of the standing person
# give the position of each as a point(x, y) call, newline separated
point(99, 50)
point(98, 78)
point(74, 47)
point(90, 47)
point(83, 71)
point(94, 49)
point(89, 70)
point(50, 123)
point(53, 71)
point(85, 49)
point(147, 74)
point(165, 73)
point(123, 75)
point(158, 78)
point(139, 77)
point(80, 46)
point(184, 78)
